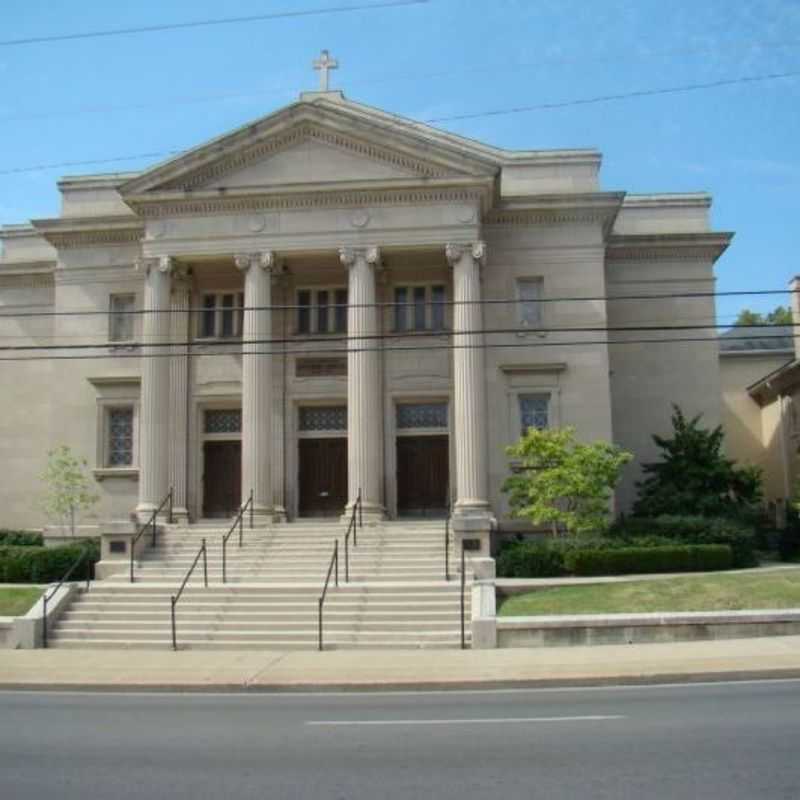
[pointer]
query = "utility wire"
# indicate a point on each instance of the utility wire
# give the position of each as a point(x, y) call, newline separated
point(394, 348)
point(488, 301)
point(472, 115)
point(235, 342)
point(204, 23)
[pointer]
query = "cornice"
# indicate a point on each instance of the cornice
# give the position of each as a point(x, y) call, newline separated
point(27, 268)
point(321, 196)
point(526, 369)
point(558, 209)
point(26, 280)
point(682, 246)
point(65, 233)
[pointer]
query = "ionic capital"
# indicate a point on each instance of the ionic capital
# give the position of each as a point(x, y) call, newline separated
point(164, 264)
point(453, 253)
point(264, 259)
point(349, 256)
point(479, 251)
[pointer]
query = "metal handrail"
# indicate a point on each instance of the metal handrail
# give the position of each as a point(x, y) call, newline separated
point(355, 522)
point(151, 523)
point(334, 563)
point(463, 586)
point(175, 597)
point(237, 521)
point(47, 597)
point(447, 541)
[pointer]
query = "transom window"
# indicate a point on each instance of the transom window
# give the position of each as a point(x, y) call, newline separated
point(419, 308)
point(120, 317)
point(421, 415)
point(221, 315)
point(223, 420)
point(529, 293)
point(119, 437)
point(534, 411)
point(323, 418)
point(322, 310)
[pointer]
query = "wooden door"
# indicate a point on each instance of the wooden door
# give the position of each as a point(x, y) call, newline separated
point(322, 477)
point(423, 471)
point(222, 478)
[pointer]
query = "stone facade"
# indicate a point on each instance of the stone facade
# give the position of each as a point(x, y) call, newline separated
point(329, 219)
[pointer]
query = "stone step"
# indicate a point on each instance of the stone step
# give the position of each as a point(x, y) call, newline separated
point(204, 644)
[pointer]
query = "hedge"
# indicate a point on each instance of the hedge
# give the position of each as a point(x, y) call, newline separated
point(635, 560)
point(740, 535)
point(34, 564)
point(23, 538)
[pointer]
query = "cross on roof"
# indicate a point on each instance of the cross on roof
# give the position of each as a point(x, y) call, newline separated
point(324, 64)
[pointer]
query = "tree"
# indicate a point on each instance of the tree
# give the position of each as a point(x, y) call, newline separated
point(68, 486)
point(563, 482)
point(779, 316)
point(694, 477)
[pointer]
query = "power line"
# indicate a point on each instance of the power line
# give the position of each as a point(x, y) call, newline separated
point(234, 342)
point(202, 23)
point(488, 301)
point(387, 78)
point(401, 348)
point(458, 117)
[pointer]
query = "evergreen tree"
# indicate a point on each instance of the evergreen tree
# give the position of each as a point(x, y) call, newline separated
point(694, 477)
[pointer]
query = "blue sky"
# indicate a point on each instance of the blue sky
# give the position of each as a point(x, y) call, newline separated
point(109, 97)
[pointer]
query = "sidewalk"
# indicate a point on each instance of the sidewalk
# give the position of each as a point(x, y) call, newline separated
point(132, 670)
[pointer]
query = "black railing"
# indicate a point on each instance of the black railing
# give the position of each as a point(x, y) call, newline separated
point(463, 588)
point(355, 522)
point(48, 596)
point(238, 522)
point(334, 565)
point(151, 524)
point(174, 599)
point(447, 543)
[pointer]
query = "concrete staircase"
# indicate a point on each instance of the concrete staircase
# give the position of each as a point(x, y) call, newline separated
point(396, 597)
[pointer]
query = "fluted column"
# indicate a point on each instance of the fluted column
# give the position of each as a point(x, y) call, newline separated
point(257, 381)
point(469, 379)
point(154, 406)
point(364, 402)
point(179, 391)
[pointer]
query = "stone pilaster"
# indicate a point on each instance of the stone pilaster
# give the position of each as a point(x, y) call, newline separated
point(257, 381)
point(364, 402)
point(155, 405)
point(179, 392)
point(472, 518)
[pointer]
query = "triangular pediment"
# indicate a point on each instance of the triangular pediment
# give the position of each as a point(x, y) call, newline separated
point(315, 143)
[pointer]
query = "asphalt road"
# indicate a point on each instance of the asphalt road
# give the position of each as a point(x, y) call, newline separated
point(696, 741)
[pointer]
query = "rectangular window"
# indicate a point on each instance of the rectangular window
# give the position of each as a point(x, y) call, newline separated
point(240, 313)
point(208, 317)
point(419, 308)
point(340, 323)
point(400, 300)
point(437, 308)
point(223, 420)
point(534, 411)
point(304, 312)
point(120, 321)
point(323, 418)
point(421, 415)
point(119, 437)
point(529, 293)
point(228, 317)
point(322, 311)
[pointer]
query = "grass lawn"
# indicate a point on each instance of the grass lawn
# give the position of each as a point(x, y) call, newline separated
point(686, 593)
point(17, 601)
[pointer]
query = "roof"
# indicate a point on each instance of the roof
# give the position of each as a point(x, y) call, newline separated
point(751, 338)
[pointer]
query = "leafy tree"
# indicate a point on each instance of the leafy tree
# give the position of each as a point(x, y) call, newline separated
point(68, 486)
point(782, 315)
point(563, 482)
point(694, 477)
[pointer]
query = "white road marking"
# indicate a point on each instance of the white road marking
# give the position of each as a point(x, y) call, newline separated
point(474, 721)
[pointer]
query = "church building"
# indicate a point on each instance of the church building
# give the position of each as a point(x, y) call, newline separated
point(333, 300)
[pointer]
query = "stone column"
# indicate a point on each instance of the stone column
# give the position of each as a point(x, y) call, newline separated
point(364, 402)
point(179, 392)
point(257, 382)
point(154, 406)
point(472, 518)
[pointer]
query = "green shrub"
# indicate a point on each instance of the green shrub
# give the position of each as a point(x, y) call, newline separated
point(740, 535)
point(32, 564)
point(531, 560)
point(22, 538)
point(643, 560)
point(789, 538)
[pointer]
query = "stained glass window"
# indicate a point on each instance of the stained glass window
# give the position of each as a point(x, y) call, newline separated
point(421, 415)
point(534, 411)
point(323, 418)
point(223, 420)
point(120, 437)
